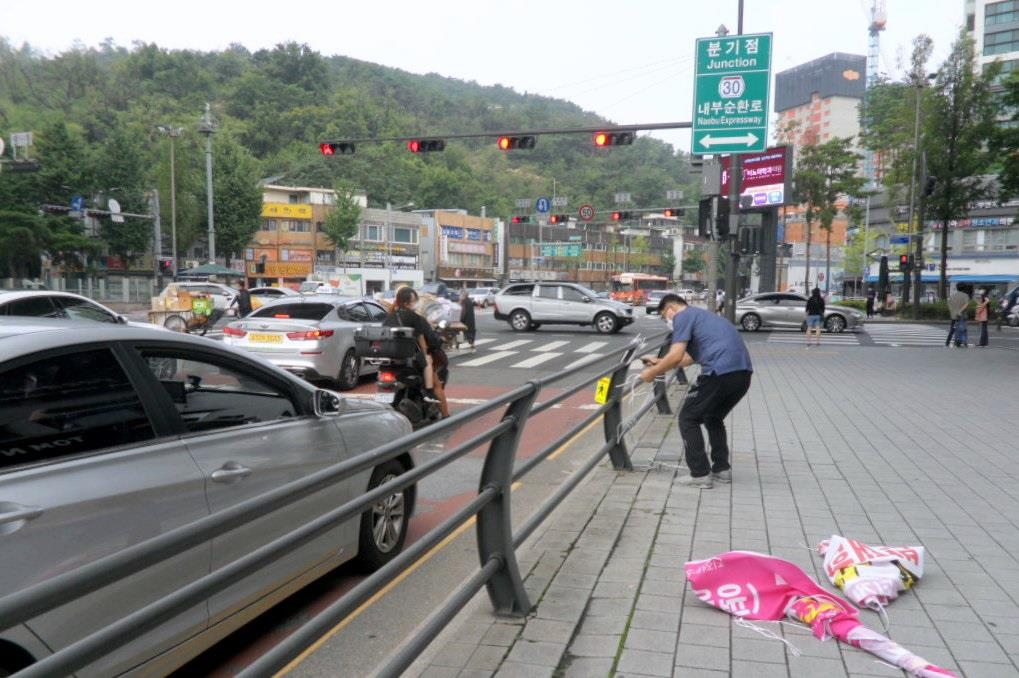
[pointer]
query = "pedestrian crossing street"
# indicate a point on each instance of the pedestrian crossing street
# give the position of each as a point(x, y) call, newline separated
point(877, 334)
point(528, 353)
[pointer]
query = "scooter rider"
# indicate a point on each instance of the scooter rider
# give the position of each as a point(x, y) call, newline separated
point(403, 315)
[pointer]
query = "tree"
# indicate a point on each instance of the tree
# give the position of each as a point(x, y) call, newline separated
point(960, 128)
point(121, 171)
point(693, 262)
point(341, 223)
point(826, 175)
point(237, 200)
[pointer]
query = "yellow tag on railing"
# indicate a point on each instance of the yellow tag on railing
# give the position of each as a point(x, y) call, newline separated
point(601, 392)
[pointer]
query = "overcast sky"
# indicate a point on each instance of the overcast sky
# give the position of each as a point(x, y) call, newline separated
point(630, 62)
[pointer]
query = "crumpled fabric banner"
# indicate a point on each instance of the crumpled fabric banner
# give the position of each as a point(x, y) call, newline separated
point(871, 576)
point(752, 585)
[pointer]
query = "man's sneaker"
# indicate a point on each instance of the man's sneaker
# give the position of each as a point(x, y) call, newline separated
point(723, 476)
point(700, 482)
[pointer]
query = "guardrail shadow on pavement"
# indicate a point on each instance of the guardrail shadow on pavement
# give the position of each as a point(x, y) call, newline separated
point(496, 539)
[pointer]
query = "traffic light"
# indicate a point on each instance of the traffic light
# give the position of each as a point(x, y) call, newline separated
point(336, 147)
point(622, 216)
point(510, 143)
point(903, 262)
point(602, 139)
point(929, 186)
point(559, 219)
point(521, 220)
point(166, 266)
point(425, 145)
point(675, 212)
point(722, 219)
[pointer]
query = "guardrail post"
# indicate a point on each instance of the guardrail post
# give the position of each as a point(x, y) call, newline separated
point(495, 522)
point(614, 415)
point(658, 386)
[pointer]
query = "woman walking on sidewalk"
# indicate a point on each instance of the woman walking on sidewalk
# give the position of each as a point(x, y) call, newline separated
point(815, 314)
point(981, 317)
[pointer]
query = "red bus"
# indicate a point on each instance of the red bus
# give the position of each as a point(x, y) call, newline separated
point(632, 288)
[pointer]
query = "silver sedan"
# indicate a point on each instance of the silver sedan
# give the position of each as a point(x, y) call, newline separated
point(309, 335)
point(111, 435)
point(785, 309)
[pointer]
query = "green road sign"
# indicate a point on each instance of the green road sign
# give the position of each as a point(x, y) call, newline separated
point(732, 79)
point(560, 249)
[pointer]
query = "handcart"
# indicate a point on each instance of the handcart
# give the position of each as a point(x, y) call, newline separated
point(183, 312)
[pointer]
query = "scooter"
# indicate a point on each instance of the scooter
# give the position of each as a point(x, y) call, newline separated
point(400, 380)
point(401, 384)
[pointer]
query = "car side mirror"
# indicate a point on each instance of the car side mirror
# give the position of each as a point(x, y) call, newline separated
point(327, 403)
point(586, 299)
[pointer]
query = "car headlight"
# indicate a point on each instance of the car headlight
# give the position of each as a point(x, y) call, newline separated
point(858, 316)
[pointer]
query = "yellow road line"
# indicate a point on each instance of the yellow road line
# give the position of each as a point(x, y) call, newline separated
point(380, 593)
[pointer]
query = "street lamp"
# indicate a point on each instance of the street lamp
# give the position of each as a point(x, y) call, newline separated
point(207, 127)
point(918, 258)
point(173, 133)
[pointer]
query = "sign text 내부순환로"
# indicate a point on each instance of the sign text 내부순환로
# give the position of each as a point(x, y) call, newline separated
point(732, 82)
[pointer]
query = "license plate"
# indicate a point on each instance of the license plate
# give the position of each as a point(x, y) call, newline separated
point(384, 397)
point(257, 338)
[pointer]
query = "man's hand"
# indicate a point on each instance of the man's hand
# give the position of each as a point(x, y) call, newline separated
point(647, 375)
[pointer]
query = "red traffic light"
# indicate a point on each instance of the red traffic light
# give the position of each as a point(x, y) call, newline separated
point(616, 216)
point(425, 145)
point(521, 220)
point(674, 212)
point(602, 139)
point(336, 147)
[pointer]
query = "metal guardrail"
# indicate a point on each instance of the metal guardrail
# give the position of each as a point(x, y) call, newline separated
point(497, 542)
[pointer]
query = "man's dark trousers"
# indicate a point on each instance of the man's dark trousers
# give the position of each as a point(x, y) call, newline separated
point(709, 401)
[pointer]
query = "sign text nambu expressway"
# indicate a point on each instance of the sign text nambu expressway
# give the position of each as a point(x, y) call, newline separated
point(732, 80)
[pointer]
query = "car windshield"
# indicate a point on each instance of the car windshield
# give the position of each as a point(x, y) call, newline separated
point(293, 311)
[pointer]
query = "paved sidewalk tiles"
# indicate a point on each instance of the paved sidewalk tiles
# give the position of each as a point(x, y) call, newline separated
point(885, 447)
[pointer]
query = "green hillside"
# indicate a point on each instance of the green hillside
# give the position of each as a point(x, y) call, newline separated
point(94, 113)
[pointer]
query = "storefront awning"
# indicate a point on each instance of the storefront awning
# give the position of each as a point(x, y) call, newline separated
point(896, 277)
point(989, 279)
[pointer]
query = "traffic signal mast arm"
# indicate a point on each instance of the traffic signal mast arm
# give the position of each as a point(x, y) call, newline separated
point(340, 146)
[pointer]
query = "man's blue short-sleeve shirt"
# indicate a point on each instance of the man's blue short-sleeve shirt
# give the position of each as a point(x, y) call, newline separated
point(711, 340)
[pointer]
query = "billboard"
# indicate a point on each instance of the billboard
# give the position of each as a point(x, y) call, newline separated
point(767, 178)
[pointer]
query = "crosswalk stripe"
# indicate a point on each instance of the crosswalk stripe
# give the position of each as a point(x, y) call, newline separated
point(587, 359)
point(536, 360)
point(592, 347)
point(485, 359)
point(551, 346)
point(481, 342)
point(515, 344)
point(847, 339)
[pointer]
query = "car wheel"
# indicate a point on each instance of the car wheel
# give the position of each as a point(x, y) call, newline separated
point(835, 324)
point(175, 323)
point(605, 323)
point(384, 525)
point(1013, 321)
point(751, 322)
point(348, 376)
point(520, 321)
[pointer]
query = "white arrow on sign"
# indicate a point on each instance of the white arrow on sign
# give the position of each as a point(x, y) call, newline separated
point(749, 139)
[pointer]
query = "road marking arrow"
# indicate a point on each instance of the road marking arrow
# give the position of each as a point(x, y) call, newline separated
point(749, 139)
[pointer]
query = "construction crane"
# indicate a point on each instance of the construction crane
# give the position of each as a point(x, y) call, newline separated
point(878, 20)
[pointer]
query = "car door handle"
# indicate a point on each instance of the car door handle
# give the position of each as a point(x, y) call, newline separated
point(230, 471)
point(16, 513)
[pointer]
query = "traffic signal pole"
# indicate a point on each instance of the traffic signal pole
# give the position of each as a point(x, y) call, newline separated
point(732, 271)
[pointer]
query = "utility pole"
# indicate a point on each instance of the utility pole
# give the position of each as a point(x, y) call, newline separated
point(208, 128)
point(157, 236)
point(173, 133)
point(735, 183)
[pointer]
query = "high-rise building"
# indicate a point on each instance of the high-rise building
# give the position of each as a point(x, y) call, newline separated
point(995, 28)
point(820, 100)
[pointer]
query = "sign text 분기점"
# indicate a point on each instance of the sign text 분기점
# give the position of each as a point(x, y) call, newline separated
point(731, 83)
